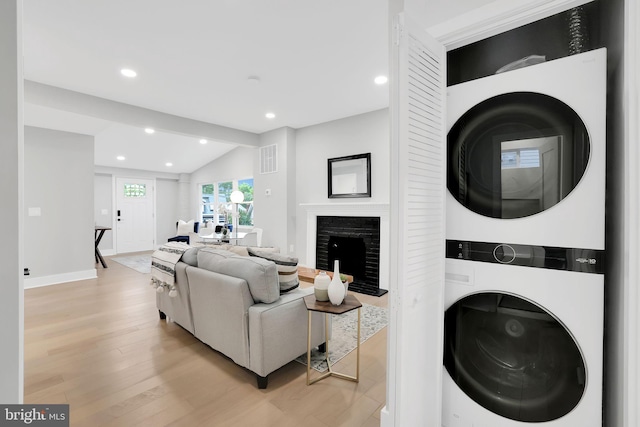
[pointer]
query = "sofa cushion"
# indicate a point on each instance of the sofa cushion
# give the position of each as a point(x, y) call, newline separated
point(238, 250)
point(260, 274)
point(190, 256)
point(287, 268)
point(244, 250)
point(184, 228)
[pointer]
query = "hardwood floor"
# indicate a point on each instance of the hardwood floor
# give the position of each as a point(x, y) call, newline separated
point(100, 346)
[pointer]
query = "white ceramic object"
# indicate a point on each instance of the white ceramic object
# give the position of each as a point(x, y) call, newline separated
point(336, 288)
point(321, 286)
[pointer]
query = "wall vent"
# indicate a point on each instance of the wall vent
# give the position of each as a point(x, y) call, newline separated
point(269, 159)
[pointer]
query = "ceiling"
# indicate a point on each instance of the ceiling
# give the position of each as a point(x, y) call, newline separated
point(314, 62)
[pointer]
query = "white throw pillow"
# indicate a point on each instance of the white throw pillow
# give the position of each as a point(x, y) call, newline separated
point(184, 228)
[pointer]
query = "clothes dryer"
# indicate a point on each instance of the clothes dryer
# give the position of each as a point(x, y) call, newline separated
point(526, 155)
point(523, 341)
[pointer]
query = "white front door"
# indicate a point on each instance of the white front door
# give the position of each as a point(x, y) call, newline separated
point(135, 215)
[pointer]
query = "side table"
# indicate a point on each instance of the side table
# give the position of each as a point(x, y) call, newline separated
point(350, 303)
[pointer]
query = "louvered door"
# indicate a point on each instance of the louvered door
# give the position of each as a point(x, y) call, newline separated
point(417, 228)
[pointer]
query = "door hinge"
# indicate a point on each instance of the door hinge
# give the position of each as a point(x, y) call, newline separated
point(398, 32)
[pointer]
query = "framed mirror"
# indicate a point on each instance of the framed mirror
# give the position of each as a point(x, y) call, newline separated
point(350, 176)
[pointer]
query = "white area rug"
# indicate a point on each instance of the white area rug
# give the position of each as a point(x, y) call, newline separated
point(140, 263)
point(344, 331)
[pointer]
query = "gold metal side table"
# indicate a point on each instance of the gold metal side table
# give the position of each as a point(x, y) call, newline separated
point(350, 303)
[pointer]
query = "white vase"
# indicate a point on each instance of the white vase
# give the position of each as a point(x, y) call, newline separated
point(336, 288)
point(321, 286)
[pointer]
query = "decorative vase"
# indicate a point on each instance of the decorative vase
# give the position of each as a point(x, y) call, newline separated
point(336, 288)
point(321, 286)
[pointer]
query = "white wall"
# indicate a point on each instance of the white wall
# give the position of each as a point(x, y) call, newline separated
point(60, 240)
point(11, 191)
point(103, 210)
point(167, 193)
point(273, 212)
point(364, 133)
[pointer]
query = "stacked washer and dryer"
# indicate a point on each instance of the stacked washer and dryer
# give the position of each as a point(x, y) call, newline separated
point(524, 288)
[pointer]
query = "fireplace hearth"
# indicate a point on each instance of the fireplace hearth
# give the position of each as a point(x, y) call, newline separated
point(355, 242)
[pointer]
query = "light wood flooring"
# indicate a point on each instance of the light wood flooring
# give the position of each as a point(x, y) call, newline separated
point(100, 346)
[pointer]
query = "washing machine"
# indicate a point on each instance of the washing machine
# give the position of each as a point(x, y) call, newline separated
point(526, 155)
point(523, 340)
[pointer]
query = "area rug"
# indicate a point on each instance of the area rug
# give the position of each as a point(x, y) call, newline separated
point(344, 332)
point(140, 263)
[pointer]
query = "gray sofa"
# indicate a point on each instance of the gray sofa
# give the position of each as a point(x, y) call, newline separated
point(233, 304)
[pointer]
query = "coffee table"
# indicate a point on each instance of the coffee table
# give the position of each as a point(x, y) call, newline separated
point(350, 303)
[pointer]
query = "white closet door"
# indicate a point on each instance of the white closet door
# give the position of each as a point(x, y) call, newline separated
point(418, 150)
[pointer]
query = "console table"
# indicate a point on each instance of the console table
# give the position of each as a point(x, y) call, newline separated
point(98, 236)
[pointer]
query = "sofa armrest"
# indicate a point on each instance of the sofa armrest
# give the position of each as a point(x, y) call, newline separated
point(220, 305)
point(278, 331)
point(178, 308)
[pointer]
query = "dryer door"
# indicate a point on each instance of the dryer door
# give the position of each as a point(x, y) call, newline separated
point(513, 358)
point(516, 155)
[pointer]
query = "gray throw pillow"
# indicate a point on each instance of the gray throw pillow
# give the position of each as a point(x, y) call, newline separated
point(287, 268)
point(190, 256)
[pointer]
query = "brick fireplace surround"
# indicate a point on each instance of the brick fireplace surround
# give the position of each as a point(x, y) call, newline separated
point(349, 223)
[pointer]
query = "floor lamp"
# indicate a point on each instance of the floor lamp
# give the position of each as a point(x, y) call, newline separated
point(237, 197)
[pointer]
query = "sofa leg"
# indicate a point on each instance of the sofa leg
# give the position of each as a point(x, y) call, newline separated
point(322, 348)
point(262, 381)
point(162, 315)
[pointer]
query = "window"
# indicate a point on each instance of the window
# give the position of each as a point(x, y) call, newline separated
point(245, 209)
point(135, 190)
point(216, 205)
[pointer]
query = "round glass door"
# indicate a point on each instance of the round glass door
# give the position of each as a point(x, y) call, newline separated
point(516, 155)
point(513, 357)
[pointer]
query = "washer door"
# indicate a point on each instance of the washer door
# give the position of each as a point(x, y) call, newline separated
point(513, 358)
point(516, 155)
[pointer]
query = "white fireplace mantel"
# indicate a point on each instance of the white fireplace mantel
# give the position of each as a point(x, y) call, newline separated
point(380, 210)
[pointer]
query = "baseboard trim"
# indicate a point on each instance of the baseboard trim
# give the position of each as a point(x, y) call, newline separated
point(74, 276)
point(385, 418)
point(107, 252)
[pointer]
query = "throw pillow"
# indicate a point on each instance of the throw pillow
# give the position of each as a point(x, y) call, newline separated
point(184, 228)
point(287, 268)
point(190, 256)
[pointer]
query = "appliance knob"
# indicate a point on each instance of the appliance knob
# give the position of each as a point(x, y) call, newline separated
point(504, 254)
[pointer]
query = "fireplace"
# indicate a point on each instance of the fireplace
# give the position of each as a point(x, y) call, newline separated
point(355, 242)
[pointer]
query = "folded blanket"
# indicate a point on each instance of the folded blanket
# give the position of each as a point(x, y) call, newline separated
point(163, 266)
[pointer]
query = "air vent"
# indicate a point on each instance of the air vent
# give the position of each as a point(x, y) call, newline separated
point(269, 159)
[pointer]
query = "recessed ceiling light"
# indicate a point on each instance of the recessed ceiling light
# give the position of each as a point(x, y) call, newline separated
point(270, 116)
point(253, 80)
point(380, 80)
point(127, 72)
point(203, 141)
point(120, 158)
point(149, 130)
point(168, 164)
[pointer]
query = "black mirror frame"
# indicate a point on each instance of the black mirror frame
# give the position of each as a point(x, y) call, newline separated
point(330, 162)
